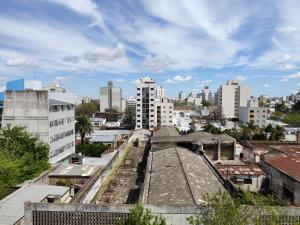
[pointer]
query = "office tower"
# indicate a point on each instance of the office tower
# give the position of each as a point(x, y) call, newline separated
point(145, 103)
point(110, 97)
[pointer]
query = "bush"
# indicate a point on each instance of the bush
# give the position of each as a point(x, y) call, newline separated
point(92, 150)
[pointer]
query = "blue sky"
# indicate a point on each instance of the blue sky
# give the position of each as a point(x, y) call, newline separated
point(183, 45)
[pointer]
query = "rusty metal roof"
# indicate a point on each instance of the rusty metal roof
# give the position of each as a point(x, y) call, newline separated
point(247, 169)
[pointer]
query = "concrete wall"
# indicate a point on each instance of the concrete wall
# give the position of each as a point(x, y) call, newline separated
point(28, 109)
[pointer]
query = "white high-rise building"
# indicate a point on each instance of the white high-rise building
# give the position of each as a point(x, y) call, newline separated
point(207, 95)
point(230, 97)
point(145, 103)
point(110, 97)
point(160, 92)
point(131, 102)
point(48, 114)
point(163, 112)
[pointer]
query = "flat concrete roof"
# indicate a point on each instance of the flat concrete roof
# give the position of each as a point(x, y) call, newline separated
point(178, 176)
point(74, 170)
point(166, 131)
point(12, 207)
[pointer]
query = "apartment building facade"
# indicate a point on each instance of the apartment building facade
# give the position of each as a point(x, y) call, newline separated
point(230, 97)
point(163, 112)
point(145, 103)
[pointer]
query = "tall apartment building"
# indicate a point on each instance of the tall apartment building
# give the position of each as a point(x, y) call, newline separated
point(47, 114)
point(160, 92)
point(180, 96)
point(163, 112)
point(230, 97)
point(207, 95)
point(110, 97)
point(253, 113)
point(145, 103)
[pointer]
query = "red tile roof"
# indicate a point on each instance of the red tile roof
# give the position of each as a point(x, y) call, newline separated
point(249, 169)
point(288, 164)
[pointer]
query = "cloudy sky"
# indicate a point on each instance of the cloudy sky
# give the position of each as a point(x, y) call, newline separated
point(183, 45)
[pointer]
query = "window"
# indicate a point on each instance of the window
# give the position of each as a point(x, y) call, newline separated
point(248, 181)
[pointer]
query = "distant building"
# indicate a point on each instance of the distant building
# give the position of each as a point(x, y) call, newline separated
point(230, 97)
point(110, 97)
point(160, 92)
point(47, 114)
point(55, 87)
point(262, 100)
point(131, 103)
point(207, 95)
point(145, 103)
point(111, 138)
point(253, 113)
point(86, 99)
point(163, 112)
point(181, 96)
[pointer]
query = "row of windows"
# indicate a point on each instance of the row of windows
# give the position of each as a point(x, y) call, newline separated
point(61, 136)
point(61, 149)
point(61, 108)
point(55, 123)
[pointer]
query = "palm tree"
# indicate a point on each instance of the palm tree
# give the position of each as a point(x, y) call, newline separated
point(83, 126)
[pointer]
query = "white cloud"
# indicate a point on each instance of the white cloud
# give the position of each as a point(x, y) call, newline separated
point(62, 79)
point(120, 80)
point(204, 81)
point(158, 63)
point(178, 79)
point(241, 78)
point(20, 62)
point(284, 80)
point(291, 76)
point(71, 59)
point(266, 85)
point(104, 54)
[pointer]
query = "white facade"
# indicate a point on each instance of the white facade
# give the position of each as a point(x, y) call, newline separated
point(33, 85)
point(163, 112)
point(110, 97)
point(131, 102)
point(145, 103)
point(160, 92)
point(258, 115)
point(230, 97)
point(49, 115)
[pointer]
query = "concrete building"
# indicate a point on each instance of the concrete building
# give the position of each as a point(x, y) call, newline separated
point(207, 95)
point(292, 133)
point(160, 92)
point(55, 87)
point(244, 177)
point(131, 102)
point(181, 96)
point(110, 97)
point(230, 97)
point(12, 207)
point(112, 138)
point(163, 112)
point(47, 114)
point(282, 164)
point(145, 103)
point(181, 117)
point(253, 113)
point(178, 176)
point(86, 99)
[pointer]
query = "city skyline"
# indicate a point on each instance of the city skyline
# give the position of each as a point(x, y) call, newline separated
point(181, 45)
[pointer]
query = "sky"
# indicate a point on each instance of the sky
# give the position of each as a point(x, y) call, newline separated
point(183, 45)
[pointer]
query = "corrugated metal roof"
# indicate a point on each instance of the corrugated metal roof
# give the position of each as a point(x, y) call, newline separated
point(12, 207)
point(250, 169)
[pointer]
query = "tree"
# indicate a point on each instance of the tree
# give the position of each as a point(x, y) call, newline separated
point(206, 103)
point(129, 115)
point(293, 119)
point(88, 109)
point(296, 106)
point(22, 156)
point(280, 106)
point(83, 126)
point(279, 134)
point(141, 216)
point(223, 209)
point(211, 129)
point(92, 150)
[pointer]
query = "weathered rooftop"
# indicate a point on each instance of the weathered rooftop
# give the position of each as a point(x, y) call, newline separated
point(74, 170)
point(12, 207)
point(166, 131)
point(177, 176)
point(245, 169)
point(287, 149)
point(163, 136)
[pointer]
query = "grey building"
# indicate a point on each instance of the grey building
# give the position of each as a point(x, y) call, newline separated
point(110, 97)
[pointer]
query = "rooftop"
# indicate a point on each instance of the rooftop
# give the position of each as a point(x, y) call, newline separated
point(245, 169)
point(12, 207)
point(107, 135)
point(166, 131)
point(287, 149)
point(183, 108)
point(178, 176)
point(74, 170)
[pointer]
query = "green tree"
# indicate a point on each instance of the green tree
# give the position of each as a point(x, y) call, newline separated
point(206, 103)
point(280, 106)
point(211, 129)
point(92, 150)
point(279, 133)
point(293, 119)
point(222, 209)
point(83, 126)
point(22, 156)
point(129, 115)
point(88, 109)
point(141, 216)
point(296, 106)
